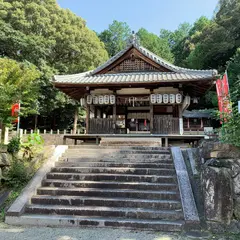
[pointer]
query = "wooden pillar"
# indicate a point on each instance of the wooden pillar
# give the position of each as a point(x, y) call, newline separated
point(115, 117)
point(126, 119)
point(115, 113)
point(151, 118)
point(101, 113)
point(151, 114)
point(95, 111)
point(75, 120)
point(87, 118)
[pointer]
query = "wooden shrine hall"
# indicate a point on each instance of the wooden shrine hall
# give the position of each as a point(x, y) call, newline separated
point(136, 92)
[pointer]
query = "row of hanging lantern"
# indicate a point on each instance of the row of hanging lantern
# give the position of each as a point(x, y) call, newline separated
point(100, 99)
point(166, 98)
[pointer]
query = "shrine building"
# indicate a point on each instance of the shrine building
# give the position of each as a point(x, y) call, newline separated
point(136, 92)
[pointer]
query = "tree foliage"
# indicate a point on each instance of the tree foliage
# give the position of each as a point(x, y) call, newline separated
point(115, 37)
point(155, 44)
point(17, 83)
point(55, 40)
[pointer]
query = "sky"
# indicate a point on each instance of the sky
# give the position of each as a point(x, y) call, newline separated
point(150, 14)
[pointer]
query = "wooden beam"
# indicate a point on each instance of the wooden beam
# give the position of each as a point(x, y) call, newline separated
point(87, 118)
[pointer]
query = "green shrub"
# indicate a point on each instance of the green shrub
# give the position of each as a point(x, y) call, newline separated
point(17, 175)
point(34, 142)
point(14, 145)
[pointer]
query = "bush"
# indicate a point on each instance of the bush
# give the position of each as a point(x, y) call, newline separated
point(14, 145)
point(17, 175)
point(230, 131)
point(34, 142)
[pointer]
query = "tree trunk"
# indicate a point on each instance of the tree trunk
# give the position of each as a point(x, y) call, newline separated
point(2, 133)
point(75, 121)
point(35, 122)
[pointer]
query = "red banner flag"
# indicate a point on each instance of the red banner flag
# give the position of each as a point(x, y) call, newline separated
point(219, 94)
point(222, 87)
point(15, 112)
point(226, 96)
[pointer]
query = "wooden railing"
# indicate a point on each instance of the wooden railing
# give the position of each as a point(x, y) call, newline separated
point(165, 125)
point(101, 126)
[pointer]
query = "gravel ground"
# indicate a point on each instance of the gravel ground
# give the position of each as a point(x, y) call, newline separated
point(43, 233)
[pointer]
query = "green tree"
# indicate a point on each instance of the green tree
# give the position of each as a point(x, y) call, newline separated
point(219, 40)
point(176, 41)
point(233, 70)
point(155, 44)
point(54, 39)
point(17, 83)
point(115, 37)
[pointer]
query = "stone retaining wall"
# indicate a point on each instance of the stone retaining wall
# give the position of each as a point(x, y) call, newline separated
point(220, 177)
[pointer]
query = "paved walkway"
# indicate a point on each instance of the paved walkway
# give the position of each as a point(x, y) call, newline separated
point(43, 233)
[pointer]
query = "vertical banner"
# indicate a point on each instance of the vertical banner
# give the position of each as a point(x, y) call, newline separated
point(15, 112)
point(219, 94)
point(226, 96)
point(222, 87)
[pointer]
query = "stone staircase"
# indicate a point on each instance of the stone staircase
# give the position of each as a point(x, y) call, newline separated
point(129, 187)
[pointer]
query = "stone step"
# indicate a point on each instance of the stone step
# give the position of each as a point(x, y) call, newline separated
point(116, 151)
point(98, 192)
point(138, 213)
point(93, 146)
point(137, 171)
point(112, 177)
point(115, 185)
point(106, 202)
point(76, 221)
point(118, 155)
point(163, 159)
point(114, 164)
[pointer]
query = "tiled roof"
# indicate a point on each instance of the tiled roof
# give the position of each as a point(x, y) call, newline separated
point(155, 58)
point(196, 114)
point(178, 74)
point(136, 77)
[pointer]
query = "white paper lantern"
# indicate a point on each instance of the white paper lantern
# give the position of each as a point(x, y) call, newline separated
point(89, 99)
point(95, 99)
point(178, 98)
point(82, 102)
point(159, 98)
point(172, 98)
point(106, 99)
point(165, 98)
point(153, 99)
point(100, 99)
point(112, 99)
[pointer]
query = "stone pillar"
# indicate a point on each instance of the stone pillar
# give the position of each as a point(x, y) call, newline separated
point(6, 136)
point(218, 194)
point(180, 120)
point(21, 134)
